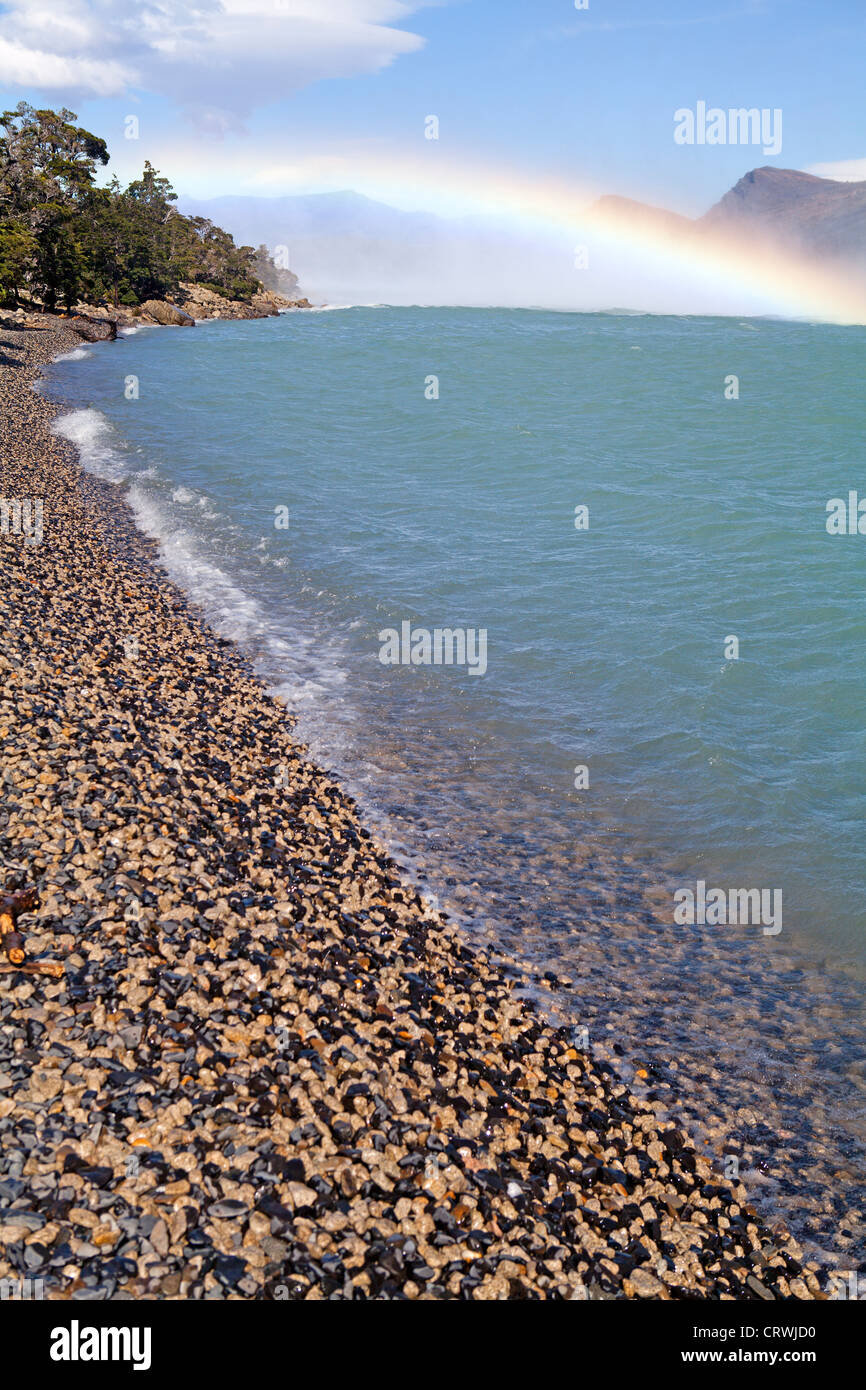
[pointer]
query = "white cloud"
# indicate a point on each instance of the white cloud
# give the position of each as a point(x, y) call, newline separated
point(220, 59)
point(22, 66)
point(847, 170)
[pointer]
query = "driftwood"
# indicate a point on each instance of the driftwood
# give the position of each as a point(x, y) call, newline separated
point(12, 905)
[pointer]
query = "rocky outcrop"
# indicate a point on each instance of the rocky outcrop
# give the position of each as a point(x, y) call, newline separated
point(272, 303)
point(162, 312)
point(100, 323)
point(204, 303)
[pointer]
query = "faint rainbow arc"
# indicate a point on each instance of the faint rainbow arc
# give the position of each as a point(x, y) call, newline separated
point(795, 285)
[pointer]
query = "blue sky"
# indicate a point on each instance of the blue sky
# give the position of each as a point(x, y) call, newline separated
point(273, 96)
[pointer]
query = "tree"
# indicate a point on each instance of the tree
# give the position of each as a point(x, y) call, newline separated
point(47, 166)
point(18, 251)
point(211, 258)
point(63, 238)
point(274, 277)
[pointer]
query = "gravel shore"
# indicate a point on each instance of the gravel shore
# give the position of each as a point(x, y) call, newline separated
point(268, 1068)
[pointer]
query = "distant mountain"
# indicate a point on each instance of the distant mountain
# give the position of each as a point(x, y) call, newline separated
point(813, 216)
point(346, 248)
point(816, 215)
point(343, 247)
point(642, 214)
point(280, 221)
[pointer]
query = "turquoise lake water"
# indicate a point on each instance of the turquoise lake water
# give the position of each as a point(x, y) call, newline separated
point(607, 648)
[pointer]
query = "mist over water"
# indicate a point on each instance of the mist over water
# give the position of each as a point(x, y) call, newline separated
point(606, 646)
point(350, 250)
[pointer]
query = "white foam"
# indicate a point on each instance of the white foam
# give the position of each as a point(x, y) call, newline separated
point(333, 308)
point(74, 356)
point(231, 611)
point(299, 670)
point(93, 437)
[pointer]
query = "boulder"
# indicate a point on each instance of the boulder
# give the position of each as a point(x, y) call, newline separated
point(162, 312)
point(91, 330)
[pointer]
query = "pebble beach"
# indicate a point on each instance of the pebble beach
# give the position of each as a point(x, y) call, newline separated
point(259, 1064)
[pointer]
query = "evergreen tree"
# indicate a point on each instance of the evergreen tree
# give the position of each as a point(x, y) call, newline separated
point(63, 238)
point(47, 166)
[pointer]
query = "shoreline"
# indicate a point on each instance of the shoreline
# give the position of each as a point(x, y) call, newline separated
point(304, 1110)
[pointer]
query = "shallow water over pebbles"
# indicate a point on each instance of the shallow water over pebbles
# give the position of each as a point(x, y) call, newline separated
point(605, 649)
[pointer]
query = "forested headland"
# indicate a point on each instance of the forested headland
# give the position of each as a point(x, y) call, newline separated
point(64, 238)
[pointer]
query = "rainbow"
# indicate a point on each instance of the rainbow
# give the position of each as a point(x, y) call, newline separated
point(780, 282)
point(730, 270)
point(791, 284)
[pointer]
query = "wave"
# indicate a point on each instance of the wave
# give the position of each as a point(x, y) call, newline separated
point(74, 356)
point(296, 666)
point(235, 613)
point(293, 665)
point(96, 442)
point(333, 308)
